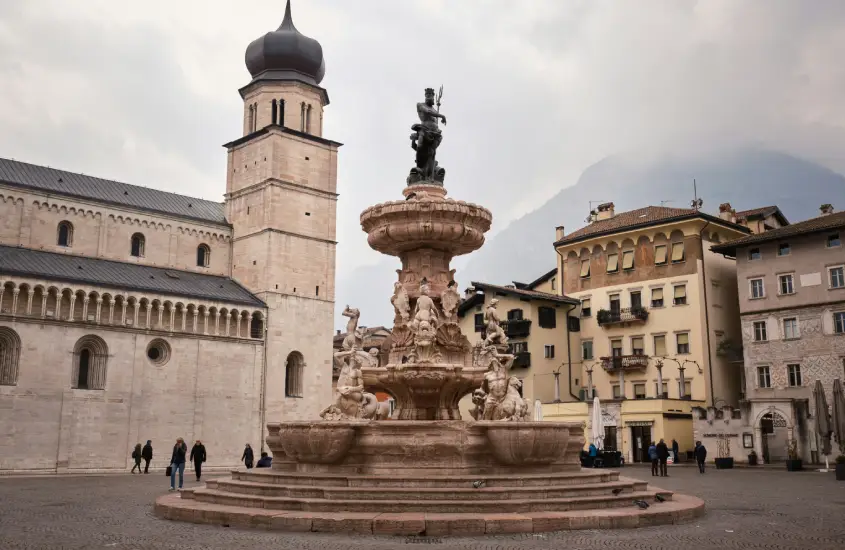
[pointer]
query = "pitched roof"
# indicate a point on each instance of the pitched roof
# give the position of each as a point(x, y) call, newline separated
point(813, 225)
point(70, 184)
point(539, 280)
point(525, 293)
point(763, 211)
point(641, 217)
point(121, 275)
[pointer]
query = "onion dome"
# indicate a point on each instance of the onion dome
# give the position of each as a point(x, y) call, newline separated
point(286, 54)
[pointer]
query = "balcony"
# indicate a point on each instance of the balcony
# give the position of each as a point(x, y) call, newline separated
point(625, 363)
point(606, 317)
point(517, 328)
point(522, 361)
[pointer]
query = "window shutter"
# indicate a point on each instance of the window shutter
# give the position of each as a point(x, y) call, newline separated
point(677, 252)
point(585, 304)
point(657, 294)
point(637, 343)
point(681, 291)
point(612, 262)
point(628, 259)
point(660, 346)
point(683, 338)
point(585, 268)
point(660, 254)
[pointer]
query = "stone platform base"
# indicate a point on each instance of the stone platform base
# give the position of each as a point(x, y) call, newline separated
point(587, 500)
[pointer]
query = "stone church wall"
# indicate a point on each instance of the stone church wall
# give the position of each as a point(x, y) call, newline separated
point(208, 389)
point(31, 219)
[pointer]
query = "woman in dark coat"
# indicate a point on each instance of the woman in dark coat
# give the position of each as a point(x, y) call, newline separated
point(177, 463)
point(248, 457)
point(136, 454)
point(147, 455)
point(198, 457)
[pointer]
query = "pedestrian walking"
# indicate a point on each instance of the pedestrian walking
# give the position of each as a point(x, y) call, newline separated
point(652, 455)
point(663, 456)
point(675, 450)
point(248, 457)
point(265, 461)
point(198, 456)
point(147, 455)
point(136, 455)
point(700, 456)
point(177, 463)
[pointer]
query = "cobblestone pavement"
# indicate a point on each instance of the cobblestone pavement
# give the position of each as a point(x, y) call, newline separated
point(746, 508)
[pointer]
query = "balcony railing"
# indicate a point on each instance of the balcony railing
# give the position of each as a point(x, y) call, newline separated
point(627, 315)
point(517, 328)
point(523, 360)
point(624, 362)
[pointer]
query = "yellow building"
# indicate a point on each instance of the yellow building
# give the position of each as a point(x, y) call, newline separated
point(655, 305)
point(539, 329)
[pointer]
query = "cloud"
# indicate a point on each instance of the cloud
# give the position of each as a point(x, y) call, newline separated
point(535, 91)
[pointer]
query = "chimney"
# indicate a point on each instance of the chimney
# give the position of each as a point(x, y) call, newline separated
point(726, 212)
point(826, 209)
point(606, 211)
point(469, 292)
point(338, 332)
point(559, 233)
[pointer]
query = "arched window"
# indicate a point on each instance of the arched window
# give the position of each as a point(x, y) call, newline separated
point(294, 371)
point(137, 245)
point(65, 237)
point(251, 119)
point(302, 117)
point(281, 112)
point(273, 111)
point(255, 117)
point(10, 353)
point(90, 359)
point(256, 326)
point(308, 119)
point(203, 255)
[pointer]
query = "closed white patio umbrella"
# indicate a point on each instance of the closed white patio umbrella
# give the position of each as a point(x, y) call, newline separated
point(597, 434)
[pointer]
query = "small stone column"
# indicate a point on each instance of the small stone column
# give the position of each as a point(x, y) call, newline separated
point(660, 381)
point(172, 319)
point(99, 309)
point(621, 383)
point(135, 314)
point(196, 314)
point(31, 293)
point(160, 309)
point(72, 303)
point(111, 310)
point(85, 309)
point(44, 297)
point(123, 312)
point(217, 322)
point(206, 313)
point(184, 317)
point(149, 309)
point(228, 320)
point(681, 382)
point(238, 325)
point(15, 293)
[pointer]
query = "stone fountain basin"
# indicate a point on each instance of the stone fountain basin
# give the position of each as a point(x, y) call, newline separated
point(314, 442)
point(528, 443)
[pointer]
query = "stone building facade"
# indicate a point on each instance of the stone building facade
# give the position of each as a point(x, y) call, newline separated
point(129, 314)
point(791, 284)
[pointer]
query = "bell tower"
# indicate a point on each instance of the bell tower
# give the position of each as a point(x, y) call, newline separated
point(281, 200)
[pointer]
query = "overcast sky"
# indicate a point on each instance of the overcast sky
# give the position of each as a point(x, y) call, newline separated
point(535, 90)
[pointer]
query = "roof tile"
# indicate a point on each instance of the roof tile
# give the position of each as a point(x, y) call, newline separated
point(813, 225)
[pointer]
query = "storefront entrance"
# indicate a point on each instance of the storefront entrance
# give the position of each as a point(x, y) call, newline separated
point(640, 441)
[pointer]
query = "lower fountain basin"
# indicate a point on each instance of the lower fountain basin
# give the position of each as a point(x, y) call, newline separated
point(528, 443)
point(314, 442)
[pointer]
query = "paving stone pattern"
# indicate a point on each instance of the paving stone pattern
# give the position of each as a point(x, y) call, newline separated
point(746, 508)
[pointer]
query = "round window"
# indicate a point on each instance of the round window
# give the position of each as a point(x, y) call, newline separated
point(158, 352)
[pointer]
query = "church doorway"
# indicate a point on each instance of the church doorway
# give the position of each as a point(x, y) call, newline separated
point(775, 432)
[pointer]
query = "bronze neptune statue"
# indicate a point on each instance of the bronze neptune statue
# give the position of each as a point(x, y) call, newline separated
point(425, 140)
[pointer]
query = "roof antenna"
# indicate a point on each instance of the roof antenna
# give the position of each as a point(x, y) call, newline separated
point(696, 202)
point(592, 215)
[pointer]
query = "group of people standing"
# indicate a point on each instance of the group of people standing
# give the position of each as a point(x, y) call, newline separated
point(145, 453)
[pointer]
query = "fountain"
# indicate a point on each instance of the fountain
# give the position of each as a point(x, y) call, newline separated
point(427, 471)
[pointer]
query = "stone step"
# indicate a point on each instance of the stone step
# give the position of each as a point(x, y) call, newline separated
point(213, 496)
point(424, 493)
point(415, 481)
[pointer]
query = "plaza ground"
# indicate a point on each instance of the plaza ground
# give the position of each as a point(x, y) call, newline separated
point(746, 508)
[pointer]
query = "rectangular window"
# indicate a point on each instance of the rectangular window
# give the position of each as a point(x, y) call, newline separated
point(677, 252)
point(794, 374)
point(616, 348)
point(680, 295)
point(518, 347)
point(783, 249)
point(764, 377)
point(636, 299)
point(656, 297)
point(612, 263)
point(628, 259)
point(617, 392)
point(786, 284)
point(615, 304)
point(665, 393)
point(790, 328)
point(585, 269)
point(837, 277)
point(548, 317)
point(515, 315)
point(639, 391)
point(833, 240)
point(586, 309)
point(479, 322)
point(637, 346)
point(660, 345)
point(760, 334)
point(839, 322)
point(587, 350)
point(573, 324)
point(549, 352)
point(660, 254)
point(554, 283)
point(687, 388)
point(754, 254)
point(683, 343)
point(757, 289)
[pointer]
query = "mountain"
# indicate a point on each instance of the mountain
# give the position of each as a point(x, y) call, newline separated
point(745, 178)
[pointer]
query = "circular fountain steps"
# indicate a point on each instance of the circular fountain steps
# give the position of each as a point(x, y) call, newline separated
point(431, 505)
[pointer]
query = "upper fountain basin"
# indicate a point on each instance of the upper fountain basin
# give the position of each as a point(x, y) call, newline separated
point(432, 222)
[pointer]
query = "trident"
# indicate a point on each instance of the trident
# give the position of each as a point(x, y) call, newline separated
point(439, 95)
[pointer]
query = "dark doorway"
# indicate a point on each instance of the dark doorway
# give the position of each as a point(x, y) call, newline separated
point(84, 364)
point(640, 441)
point(610, 439)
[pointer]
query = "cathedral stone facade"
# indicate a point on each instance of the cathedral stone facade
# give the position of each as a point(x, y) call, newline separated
point(129, 314)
